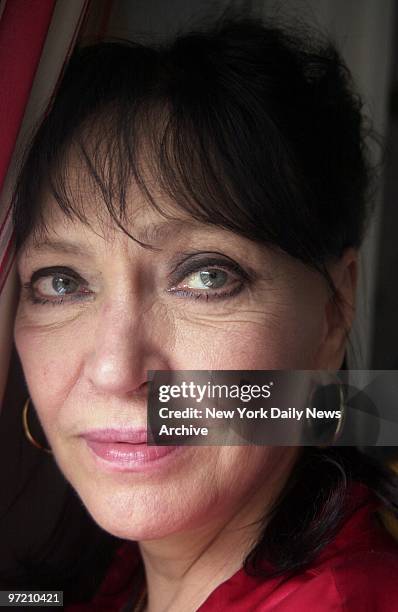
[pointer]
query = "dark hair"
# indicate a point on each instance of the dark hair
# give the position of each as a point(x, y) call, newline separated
point(247, 126)
point(244, 126)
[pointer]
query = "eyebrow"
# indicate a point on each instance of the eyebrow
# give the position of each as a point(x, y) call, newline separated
point(156, 232)
point(62, 246)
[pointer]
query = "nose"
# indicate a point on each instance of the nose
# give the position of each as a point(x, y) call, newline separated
point(124, 347)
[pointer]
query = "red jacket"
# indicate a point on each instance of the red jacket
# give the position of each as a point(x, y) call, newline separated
point(356, 572)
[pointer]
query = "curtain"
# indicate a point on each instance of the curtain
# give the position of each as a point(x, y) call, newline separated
point(36, 38)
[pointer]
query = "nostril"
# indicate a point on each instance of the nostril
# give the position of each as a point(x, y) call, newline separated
point(142, 390)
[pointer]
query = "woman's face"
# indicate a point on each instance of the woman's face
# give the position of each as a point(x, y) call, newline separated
point(102, 310)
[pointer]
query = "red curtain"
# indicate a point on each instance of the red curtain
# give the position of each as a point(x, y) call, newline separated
point(36, 37)
point(23, 29)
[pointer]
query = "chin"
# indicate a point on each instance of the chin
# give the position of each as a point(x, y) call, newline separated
point(136, 517)
point(131, 530)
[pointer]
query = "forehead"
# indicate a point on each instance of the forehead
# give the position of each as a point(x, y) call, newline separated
point(80, 205)
point(78, 238)
point(144, 224)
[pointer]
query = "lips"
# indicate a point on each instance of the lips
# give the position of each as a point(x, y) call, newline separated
point(126, 450)
point(129, 436)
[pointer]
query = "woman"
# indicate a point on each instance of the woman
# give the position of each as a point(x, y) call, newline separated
point(200, 206)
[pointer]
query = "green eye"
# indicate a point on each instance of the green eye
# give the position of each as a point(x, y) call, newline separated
point(52, 286)
point(213, 278)
point(207, 279)
point(63, 285)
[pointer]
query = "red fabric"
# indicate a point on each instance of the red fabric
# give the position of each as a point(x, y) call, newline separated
point(356, 572)
point(23, 29)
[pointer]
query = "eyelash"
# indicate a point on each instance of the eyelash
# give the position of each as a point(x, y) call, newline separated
point(56, 302)
point(188, 269)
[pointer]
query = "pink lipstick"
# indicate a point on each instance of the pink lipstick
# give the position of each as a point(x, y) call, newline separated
point(127, 450)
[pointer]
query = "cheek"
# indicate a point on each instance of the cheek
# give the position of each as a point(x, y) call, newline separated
point(50, 361)
point(280, 336)
point(211, 484)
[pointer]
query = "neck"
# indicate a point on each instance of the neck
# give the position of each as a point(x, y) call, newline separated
point(183, 569)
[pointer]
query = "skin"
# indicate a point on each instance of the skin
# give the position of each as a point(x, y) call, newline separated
point(86, 363)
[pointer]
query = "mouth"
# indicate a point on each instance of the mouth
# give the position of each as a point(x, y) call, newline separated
point(127, 450)
point(128, 436)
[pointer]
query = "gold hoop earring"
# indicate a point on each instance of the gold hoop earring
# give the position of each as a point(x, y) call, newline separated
point(27, 431)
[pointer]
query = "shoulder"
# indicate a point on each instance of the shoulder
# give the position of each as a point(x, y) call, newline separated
point(362, 560)
point(356, 572)
point(366, 582)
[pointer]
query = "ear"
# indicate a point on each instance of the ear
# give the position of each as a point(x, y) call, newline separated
point(339, 310)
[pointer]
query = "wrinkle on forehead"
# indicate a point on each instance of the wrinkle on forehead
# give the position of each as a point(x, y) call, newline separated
point(110, 183)
point(104, 180)
point(83, 204)
point(121, 161)
point(109, 170)
point(144, 225)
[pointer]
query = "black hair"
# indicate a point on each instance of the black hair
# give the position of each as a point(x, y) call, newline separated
point(248, 126)
point(245, 126)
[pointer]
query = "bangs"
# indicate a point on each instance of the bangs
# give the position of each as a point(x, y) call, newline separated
point(209, 127)
point(127, 114)
point(176, 148)
point(173, 163)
